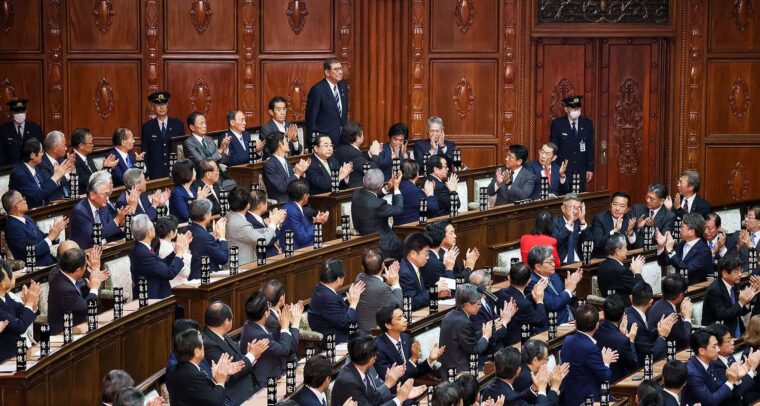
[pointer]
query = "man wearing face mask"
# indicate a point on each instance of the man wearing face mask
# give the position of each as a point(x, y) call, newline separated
point(573, 134)
point(16, 132)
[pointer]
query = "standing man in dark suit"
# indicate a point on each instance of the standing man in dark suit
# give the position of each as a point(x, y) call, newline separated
point(82, 144)
point(240, 386)
point(212, 245)
point(67, 294)
point(674, 378)
point(323, 163)
point(317, 375)
point(531, 310)
point(444, 185)
point(703, 385)
point(547, 167)
point(513, 183)
point(328, 311)
point(15, 133)
point(207, 174)
point(327, 103)
point(16, 317)
point(145, 263)
point(278, 172)
point(123, 144)
point(435, 145)
point(417, 249)
point(687, 200)
point(278, 110)
point(648, 341)
point(616, 220)
point(274, 292)
point(381, 288)
point(570, 229)
point(724, 303)
point(615, 334)
point(237, 151)
point(93, 210)
point(691, 253)
point(589, 363)
point(156, 135)
point(653, 213)
point(613, 276)
point(352, 138)
point(573, 135)
point(673, 295)
point(28, 179)
point(21, 230)
point(741, 241)
point(371, 212)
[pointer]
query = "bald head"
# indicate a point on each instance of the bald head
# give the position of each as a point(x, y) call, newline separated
point(66, 245)
point(480, 279)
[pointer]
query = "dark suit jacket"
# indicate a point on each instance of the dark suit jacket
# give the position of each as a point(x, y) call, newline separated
point(11, 145)
point(157, 146)
point(348, 153)
point(322, 114)
point(22, 181)
point(434, 270)
point(561, 134)
point(664, 221)
point(305, 397)
point(19, 319)
point(179, 203)
point(329, 313)
point(698, 261)
point(612, 275)
point(587, 370)
point(270, 363)
point(370, 215)
point(349, 384)
point(498, 387)
point(747, 384)
point(442, 194)
point(385, 160)
point(609, 336)
point(302, 227)
point(718, 307)
point(146, 206)
point(239, 387)
point(567, 239)
point(528, 312)
point(412, 196)
point(681, 331)
point(276, 180)
point(556, 299)
point(158, 272)
point(422, 147)
point(82, 221)
point(387, 355)
point(647, 340)
point(320, 181)
point(238, 154)
point(270, 128)
point(64, 297)
point(521, 188)
point(703, 388)
point(461, 340)
point(188, 386)
point(117, 173)
point(46, 170)
point(668, 400)
point(601, 228)
point(413, 287)
point(700, 206)
point(216, 207)
point(18, 235)
point(84, 171)
point(555, 187)
point(205, 244)
point(271, 249)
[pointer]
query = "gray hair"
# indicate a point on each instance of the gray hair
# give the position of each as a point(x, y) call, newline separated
point(53, 138)
point(696, 222)
point(141, 224)
point(539, 254)
point(373, 180)
point(435, 120)
point(692, 178)
point(480, 279)
point(466, 293)
point(101, 174)
point(570, 197)
point(615, 242)
point(199, 209)
point(659, 190)
point(132, 177)
point(96, 183)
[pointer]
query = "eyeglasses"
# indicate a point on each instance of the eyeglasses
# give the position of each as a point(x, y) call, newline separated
point(338, 69)
point(549, 261)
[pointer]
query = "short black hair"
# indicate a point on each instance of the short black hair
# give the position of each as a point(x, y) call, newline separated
point(719, 330)
point(317, 369)
point(410, 169)
point(327, 65)
point(216, 314)
point(119, 135)
point(398, 129)
point(78, 136)
point(185, 344)
point(256, 306)
point(416, 242)
point(700, 339)
point(468, 388)
point(659, 190)
point(675, 374)
point(361, 349)
point(274, 140)
point(651, 399)
point(508, 360)
point(31, 146)
point(385, 315)
point(71, 260)
point(446, 394)
point(372, 261)
point(165, 225)
point(231, 115)
point(331, 270)
point(319, 136)
point(434, 162)
point(297, 189)
point(519, 274)
point(182, 172)
point(614, 308)
point(276, 99)
point(350, 132)
point(533, 349)
point(713, 216)
point(130, 396)
point(647, 387)
point(436, 232)
point(113, 382)
point(239, 198)
point(586, 318)
point(6, 270)
point(192, 117)
point(729, 263)
point(521, 153)
point(673, 286)
point(203, 167)
point(641, 294)
point(181, 325)
point(622, 194)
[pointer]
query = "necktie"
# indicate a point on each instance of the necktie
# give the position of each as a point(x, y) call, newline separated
point(96, 216)
point(163, 129)
point(710, 245)
point(20, 133)
point(337, 99)
point(91, 164)
point(549, 174)
point(686, 250)
point(651, 214)
point(399, 349)
point(685, 205)
point(737, 330)
point(575, 130)
point(323, 402)
point(129, 161)
point(285, 165)
point(368, 382)
point(571, 246)
point(37, 180)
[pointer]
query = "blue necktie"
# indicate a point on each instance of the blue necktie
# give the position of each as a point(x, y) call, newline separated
point(737, 331)
point(129, 162)
point(400, 350)
point(571, 246)
point(37, 179)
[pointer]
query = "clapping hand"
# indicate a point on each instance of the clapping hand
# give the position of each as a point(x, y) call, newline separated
point(471, 257)
point(354, 293)
point(452, 182)
point(609, 356)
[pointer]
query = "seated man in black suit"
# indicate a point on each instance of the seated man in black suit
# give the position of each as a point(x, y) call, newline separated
point(212, 245)
point(278, 110)
point(653, 213)
point(323, 164)
point(535, 357)
point(436, 145)
point(648, 341)
point(271, 361)
point(189, 385)
point(742, 241)
point(178, 327)
point(612, 275)
point(352, 138)
point(613, 221)
point(136, 190)
point(15, 317)
point(82, 145)
point(546, 166)
point(724, 303)
point(274, 292)
point(717, 241)
point(371, 212)
point(444, 253)
point(417, 253)
point(317, 375)
point(570, 229)
point(238, 151)
point(610, 335)
point(27, 177)
point(239, 386)
point(687, 200)
point(207, 174)
point(67, 295)
point(508, 368)
point(489, 311)
point(55, 154)
point(359, 381)
point(395, 148)
point(531, 310)
point(674, 377)
point(691, 253)
point(328, 311)
point(96, 209)
point(444, 185)
point(673, 294)
point(726, 360)
point(21, 230)
point(514, 182)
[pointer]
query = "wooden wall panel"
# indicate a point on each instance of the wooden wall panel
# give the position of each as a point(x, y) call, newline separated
point(734, 25)
point(208, 26)
point(208, 87)
point(104, 25)
point(732, 89)
point(105, 97)
point(20, 26)
point(302, 26)
point(464, 26)
point(22, 80)
point(732, 173)
point(480, 153)
point(291, 80)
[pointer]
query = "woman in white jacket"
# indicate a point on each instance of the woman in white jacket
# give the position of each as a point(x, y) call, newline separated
point(166, 232)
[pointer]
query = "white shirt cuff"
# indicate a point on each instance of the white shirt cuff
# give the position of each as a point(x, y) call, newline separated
point(285, 331)
point(250, 358)
point(272, 227)
point(396, 286)
point(730, 385)
point(631, 238)
point(49, 243)
point(94, 291)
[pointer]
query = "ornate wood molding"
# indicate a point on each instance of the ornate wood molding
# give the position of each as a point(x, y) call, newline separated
point(54, 62)
point(562, 89)
point(7, 15)
point(509, 72)
point(151, 58)
point(740, 98)
point(628, 121)
point(104, 98)
point(418, 67)
point(463, 97)
point(200, 96)
point(248, 15)
point(738, 182)
point(296, 99)
point(742, 14)
point(345, 15)
point(297, 13)
point(464, 14)
point(695, 82)
point(7, 93)
point(200, 15)
point(103, 12)
point(603, 11)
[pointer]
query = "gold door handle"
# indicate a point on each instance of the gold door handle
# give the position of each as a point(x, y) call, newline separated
point(603, 159)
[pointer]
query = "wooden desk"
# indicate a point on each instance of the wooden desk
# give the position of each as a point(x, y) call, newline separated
point(627, 386)
point(138, 343)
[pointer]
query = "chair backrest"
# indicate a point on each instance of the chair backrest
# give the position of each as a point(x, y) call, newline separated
point(730, 220)
point(477, 184)
point(4, 180)
point(463, 197)
point(121, 275)
point(652, 274)
point(45, 225)
point(504, 258)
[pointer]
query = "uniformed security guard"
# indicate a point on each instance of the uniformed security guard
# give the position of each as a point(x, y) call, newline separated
point(156, 136)
point(574, 136)
point(16, 132)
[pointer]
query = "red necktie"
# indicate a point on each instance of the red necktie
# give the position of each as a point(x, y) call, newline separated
point(685, 206)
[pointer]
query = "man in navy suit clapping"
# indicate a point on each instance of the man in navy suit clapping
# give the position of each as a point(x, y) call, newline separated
point(317, 375)
point(328, 311)
point(211, 245)
point(21, 230)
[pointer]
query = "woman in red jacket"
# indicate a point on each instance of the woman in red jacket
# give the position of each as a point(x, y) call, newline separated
point(540, 235)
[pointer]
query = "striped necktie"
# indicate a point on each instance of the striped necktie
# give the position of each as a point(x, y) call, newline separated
point(337, 99)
